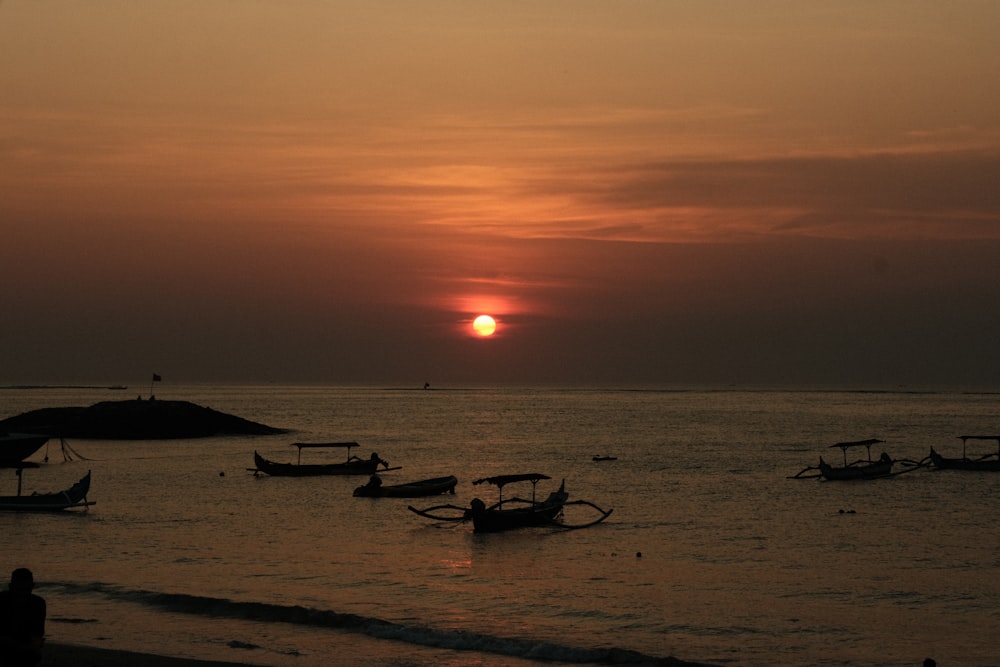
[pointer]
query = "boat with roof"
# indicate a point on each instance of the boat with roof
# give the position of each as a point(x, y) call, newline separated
point(861, 468)
point(987, 462)
point(354, 465)
point(512, 513)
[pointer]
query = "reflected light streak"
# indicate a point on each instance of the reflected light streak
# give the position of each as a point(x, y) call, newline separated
point(457, 563)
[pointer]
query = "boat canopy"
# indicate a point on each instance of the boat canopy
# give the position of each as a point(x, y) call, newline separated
point(859, 443)
point(979, 437)
point(316, 445)
point(306, 445)
point(500, 480)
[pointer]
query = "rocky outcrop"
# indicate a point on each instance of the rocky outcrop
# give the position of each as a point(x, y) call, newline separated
point(134, 420)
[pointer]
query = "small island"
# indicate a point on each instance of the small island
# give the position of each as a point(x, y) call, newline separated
point(134, 420)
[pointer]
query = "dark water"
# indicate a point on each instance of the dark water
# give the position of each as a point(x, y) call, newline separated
point(712, 553)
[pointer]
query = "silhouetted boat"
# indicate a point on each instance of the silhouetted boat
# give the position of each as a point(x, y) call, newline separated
point(605, 458)
point(987, 462)
point(352, 466)
point(426, 487)
point(15, 447)
point(75, 496)
point(514, 512)
point(860, 469)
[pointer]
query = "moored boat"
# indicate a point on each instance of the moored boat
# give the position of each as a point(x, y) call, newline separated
point(15, 447)
point(75, 496)
point(987, 462)
point(352, 466)
point(425, 487)
point(513, 513)
point(860, 469)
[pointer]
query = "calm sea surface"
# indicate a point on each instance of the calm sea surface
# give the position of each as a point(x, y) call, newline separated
point(712, 553)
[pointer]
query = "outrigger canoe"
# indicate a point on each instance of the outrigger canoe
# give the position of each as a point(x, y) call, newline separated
point(425, 487)
point(860, 469)
point(75, 496)
point(513, 513)
point(352, 466)
point(987, 462)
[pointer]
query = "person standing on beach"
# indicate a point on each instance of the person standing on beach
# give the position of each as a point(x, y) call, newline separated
point(22, 622)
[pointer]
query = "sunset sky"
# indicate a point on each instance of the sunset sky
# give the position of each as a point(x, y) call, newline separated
point(644, 193)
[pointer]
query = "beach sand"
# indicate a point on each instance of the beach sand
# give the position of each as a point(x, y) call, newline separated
point(70, 655)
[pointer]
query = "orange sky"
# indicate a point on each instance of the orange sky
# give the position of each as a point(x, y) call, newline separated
point(665, 193)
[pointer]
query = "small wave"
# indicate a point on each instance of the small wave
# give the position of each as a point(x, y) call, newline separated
point(374, 627)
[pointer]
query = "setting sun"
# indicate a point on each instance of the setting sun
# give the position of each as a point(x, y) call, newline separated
point(484, 325)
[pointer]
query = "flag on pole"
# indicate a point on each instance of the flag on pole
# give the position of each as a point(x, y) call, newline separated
point(156, 378)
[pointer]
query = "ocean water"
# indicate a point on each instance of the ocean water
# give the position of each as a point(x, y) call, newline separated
point(712, 553)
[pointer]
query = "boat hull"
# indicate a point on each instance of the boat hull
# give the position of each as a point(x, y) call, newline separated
point(945, 463)
point(359, 467)
point(855, 472)
point(75, 496)
point(497, 519)
point(427, 487)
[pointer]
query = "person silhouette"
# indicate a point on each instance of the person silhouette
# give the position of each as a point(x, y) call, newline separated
point(22, 621)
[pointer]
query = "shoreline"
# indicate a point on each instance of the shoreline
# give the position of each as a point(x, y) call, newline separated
point(56, 654)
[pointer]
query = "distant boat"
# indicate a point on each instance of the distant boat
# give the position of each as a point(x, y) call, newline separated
point(513, 513)
point(605, 458)
point(75, 496)
point(860, 469)
point(426, 487)
point(15, 447)
point(987, 462)
point(352, 466)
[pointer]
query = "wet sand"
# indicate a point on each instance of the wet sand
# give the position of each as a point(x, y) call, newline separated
point(69, 655)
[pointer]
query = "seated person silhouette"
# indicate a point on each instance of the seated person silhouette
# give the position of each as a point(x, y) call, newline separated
point(22, 622)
